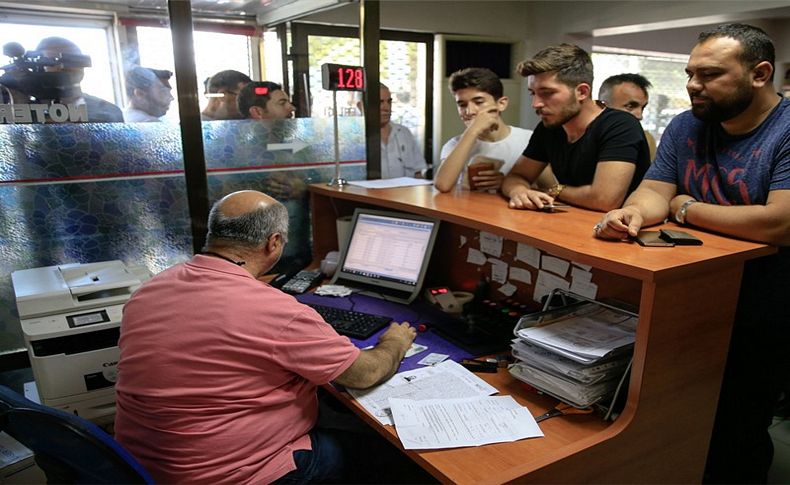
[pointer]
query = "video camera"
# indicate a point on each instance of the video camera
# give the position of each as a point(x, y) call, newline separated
point(28, 73)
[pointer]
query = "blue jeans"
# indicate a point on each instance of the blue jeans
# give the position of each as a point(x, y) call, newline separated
point(346, 450)
point(325, 463)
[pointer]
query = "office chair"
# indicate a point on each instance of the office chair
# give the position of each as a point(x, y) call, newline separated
point(68, 448)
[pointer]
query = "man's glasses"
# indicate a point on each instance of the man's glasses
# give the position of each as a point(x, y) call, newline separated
point(222, 95)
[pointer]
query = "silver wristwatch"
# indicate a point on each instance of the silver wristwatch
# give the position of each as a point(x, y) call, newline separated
point(680, 215)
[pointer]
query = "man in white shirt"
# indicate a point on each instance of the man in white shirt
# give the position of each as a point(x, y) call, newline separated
point(480, 98)
point(400, 153)
point(150, 94)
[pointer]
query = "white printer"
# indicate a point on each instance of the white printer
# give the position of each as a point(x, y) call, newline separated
point(71, 316)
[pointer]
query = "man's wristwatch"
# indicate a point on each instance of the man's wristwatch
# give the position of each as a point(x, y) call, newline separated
point(555, 190)
point(680, 215)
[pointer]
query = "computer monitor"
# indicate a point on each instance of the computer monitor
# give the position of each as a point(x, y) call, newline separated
point(386, 254)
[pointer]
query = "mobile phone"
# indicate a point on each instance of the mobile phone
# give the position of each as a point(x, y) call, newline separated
point(681, 238)
point(652, 239)
point(555, 207)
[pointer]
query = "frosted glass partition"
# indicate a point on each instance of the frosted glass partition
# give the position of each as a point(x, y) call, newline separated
point(94, 192)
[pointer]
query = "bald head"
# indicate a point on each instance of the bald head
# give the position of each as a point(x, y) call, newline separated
point(244, 202)
point(246, 219)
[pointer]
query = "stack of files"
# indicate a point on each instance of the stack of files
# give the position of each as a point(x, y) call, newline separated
point(577, 354)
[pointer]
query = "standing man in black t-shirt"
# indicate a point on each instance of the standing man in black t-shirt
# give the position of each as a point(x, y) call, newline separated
point(598, 155)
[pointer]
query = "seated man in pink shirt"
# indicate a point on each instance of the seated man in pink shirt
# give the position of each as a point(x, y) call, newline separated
point(218, 370)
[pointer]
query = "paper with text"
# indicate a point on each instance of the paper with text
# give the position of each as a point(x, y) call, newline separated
point(491, 244)
point(452, 423)
point(390, 183)
point(446, 380)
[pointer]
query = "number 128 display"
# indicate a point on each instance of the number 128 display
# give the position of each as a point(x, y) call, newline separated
point(337, 77)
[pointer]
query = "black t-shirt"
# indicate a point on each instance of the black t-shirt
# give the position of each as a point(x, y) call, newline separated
point(612, 136)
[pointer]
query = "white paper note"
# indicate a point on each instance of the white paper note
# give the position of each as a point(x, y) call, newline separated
point(390, 183)
point(476, 257)
point(446, 380)
point(498, 270)
point(555, 265)
point(491, 244)
point(528, 254)
point(585, 267)
point(462, 242)
point(507, 289)
point(584, 288)
point(547, 282)
point(520, 274)
point(452, 423)
point(579, 274)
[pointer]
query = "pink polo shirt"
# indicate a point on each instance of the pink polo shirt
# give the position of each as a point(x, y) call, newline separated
point(218, 373)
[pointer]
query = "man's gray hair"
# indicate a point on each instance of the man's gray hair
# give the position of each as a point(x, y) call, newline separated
point(251, 229)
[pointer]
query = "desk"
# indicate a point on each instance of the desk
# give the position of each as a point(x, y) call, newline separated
point(686, 298)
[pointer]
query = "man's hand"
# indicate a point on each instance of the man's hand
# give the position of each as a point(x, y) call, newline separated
point(399, 336)
point(488, 180)
point(485, 121)
point(382, 361)
point(524, 198)
point(619, 224)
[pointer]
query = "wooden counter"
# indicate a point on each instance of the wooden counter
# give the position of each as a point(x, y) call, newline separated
point(686, 298)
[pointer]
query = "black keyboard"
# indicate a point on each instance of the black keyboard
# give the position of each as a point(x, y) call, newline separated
point(353, 324)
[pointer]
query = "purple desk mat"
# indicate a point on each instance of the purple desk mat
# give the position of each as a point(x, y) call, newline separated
point(417, 313)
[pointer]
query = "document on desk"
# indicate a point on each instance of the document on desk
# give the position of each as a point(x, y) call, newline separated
point(586, 335)
point(446, 380)
point(452, 423)
point(390, 183)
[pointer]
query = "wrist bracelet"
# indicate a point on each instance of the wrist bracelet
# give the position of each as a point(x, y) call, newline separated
point(680, 215)
point(555, 190)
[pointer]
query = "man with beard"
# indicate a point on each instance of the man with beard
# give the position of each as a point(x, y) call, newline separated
point(222, 90)
point(598, 155)
point(628, 92)
point(150, 94)
point(724, 166)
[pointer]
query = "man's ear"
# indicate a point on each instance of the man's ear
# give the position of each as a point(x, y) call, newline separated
point(502, 103)
point(139, 93)
point(583, 91)
point(274, 241)
point(761, 74)
point(256, 112)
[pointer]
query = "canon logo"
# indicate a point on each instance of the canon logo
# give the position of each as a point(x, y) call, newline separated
point(110, 364)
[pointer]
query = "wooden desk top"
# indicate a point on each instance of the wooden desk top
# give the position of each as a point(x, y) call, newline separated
point(687, 299)
point(491, 463)
point(565, 234)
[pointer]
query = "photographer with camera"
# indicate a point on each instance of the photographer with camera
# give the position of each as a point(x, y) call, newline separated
point(43, 86)
point(99, 110)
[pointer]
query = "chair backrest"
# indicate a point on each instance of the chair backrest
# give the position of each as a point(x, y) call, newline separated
point(68, 448)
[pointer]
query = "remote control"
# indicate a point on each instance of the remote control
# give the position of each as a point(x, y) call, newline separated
point(302, 281)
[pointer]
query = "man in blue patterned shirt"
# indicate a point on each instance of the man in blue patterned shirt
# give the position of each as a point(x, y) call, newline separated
point(724, 166)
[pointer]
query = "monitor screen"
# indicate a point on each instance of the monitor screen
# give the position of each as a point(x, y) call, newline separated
point(387, 251)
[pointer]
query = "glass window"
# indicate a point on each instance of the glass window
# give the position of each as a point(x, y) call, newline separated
point(82, 192)
point(402, 66)
point(92, 41)
point(214, 52)
point(666, 72)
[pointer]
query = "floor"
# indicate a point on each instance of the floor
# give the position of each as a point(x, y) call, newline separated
point(780, 469)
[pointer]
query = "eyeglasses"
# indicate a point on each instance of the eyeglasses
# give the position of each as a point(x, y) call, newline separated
point(222, 94)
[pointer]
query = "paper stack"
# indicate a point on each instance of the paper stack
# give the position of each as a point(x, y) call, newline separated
point(576, 353)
